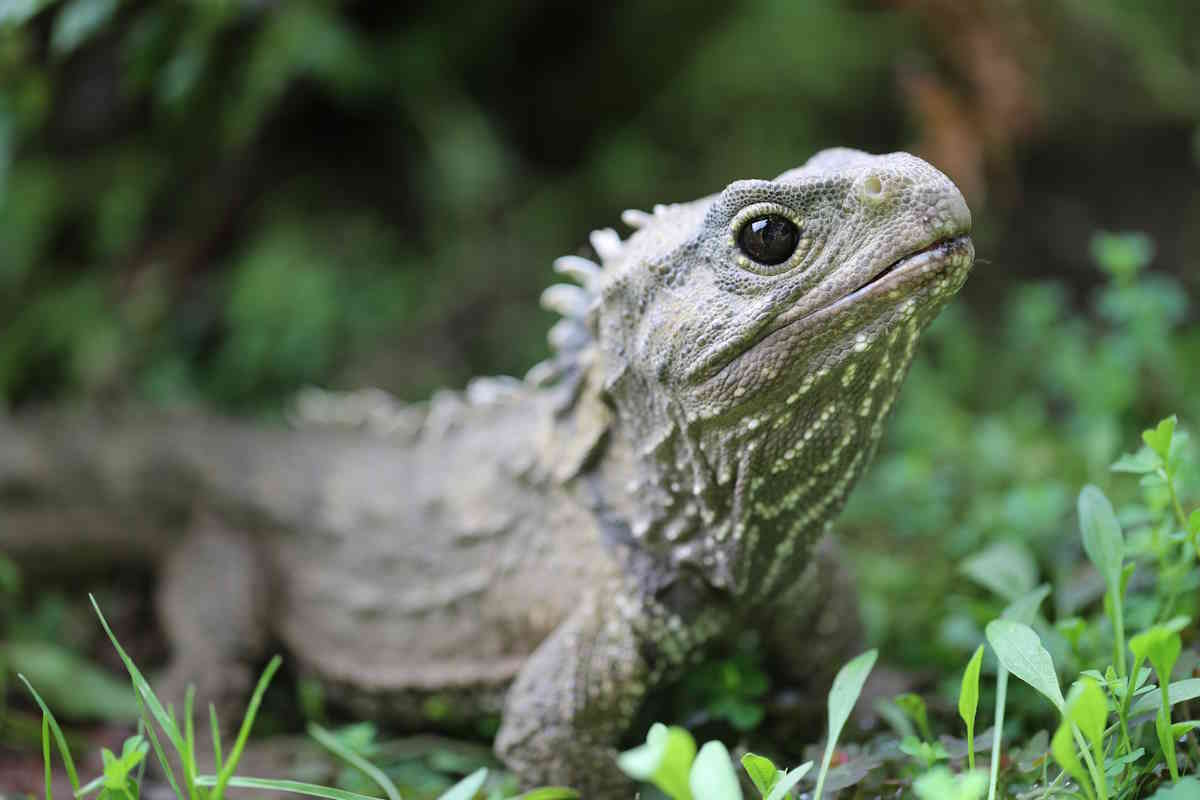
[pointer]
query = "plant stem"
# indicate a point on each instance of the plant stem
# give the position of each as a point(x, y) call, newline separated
point(1097, 776)
point(1119, 631)
point(998, 729)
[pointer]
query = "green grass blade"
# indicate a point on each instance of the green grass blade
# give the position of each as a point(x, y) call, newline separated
point(46, 755)
point(468, 787)
point(216, 735)
point(331, 743)
point(90, 787)
point(270, 784)
point(189, 741)
point(159, 753)
point(244, 732)
point(143, 687)
point(141, 773)
point(49, 720)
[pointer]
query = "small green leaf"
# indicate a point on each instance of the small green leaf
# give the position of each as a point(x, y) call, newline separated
point(1142, 462)
point(1088, 708)
point(1021, 652)
point(712, 776)
point(1162, 729)
point(1102, 537)
point(1158, 438)
point(550, 793)
point(1122, 255)
point(912, 705)
point(1005, 568)
point(762, 771)
point(1161, 645)
point(1115, 766)
point(1025, 608)
point(940, 784)
point(664, 760)
point(968, 701)
point(1185, 789)
point(1063, 748)
point(1177, 692)
point(1181, 729)
point(847, 686)
point(1194, 522)
point(789, 780)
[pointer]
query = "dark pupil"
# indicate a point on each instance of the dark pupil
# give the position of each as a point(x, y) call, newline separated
point(768, 240)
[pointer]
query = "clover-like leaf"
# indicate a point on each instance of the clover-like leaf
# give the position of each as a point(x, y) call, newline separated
point(1158, 438)
point(664, 760)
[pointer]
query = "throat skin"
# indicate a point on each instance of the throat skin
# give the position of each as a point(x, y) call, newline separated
point(738, 503)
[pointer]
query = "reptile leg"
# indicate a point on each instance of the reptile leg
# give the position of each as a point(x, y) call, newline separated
point(811, 630)
point(211, 602)
point(574, 699)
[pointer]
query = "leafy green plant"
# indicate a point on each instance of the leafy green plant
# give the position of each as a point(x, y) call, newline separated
point(669, 759)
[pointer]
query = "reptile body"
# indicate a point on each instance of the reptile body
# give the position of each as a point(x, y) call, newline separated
point(556, 547)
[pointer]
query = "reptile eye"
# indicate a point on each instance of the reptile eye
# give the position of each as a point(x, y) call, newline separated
point(770, 239)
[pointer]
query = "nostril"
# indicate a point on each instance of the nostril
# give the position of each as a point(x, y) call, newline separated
point(872, 189)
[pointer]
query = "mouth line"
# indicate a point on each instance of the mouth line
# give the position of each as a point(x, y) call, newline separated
point(937, 252)
point(944, 244)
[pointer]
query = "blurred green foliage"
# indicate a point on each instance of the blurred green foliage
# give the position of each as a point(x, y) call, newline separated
point(219, 202)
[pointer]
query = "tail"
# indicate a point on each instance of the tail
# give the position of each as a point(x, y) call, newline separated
point(85, 493)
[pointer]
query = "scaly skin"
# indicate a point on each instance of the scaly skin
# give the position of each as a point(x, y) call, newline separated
point(565, 544)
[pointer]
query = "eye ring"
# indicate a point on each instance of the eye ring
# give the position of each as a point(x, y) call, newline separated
point(769, 238)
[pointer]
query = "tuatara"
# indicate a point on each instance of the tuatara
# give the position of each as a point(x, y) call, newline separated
point(558, 546)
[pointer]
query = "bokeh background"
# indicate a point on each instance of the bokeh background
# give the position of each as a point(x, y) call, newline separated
point(214, 204)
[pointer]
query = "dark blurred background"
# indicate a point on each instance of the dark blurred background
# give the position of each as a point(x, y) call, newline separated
point(214, 204)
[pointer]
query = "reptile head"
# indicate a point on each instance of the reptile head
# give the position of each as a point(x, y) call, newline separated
point(753, 342)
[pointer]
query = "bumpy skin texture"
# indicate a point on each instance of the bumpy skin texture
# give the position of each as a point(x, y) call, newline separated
point(564, 544)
